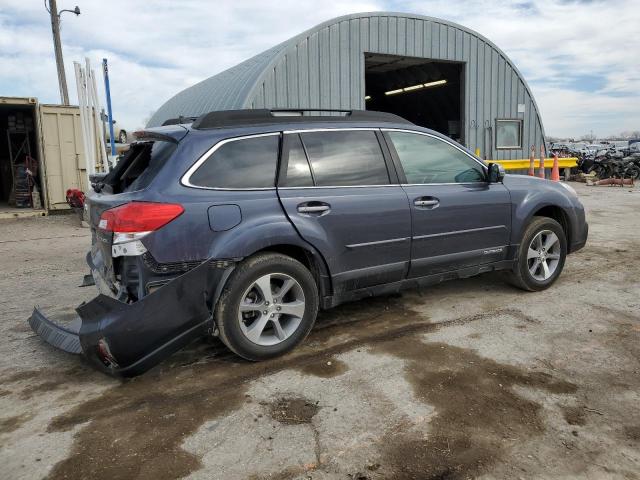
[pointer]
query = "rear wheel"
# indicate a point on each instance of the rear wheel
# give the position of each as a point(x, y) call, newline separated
point(541, 255)
point(268, 307)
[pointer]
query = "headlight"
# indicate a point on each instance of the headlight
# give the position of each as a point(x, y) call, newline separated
point(570, 188)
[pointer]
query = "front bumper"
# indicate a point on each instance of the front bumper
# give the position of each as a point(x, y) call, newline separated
point(581, 241)
point(126, 339)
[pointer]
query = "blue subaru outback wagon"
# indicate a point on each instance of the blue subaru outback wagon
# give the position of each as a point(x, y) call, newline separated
point(243, 224)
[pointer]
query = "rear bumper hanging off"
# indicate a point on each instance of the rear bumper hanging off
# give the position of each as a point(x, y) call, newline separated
point(64, 337)
point(127, 339)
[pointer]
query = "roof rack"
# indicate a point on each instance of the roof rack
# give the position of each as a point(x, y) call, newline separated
point(230, 118)
point(178, 120)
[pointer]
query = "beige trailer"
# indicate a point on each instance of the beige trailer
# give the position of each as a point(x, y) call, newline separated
point(46, 140)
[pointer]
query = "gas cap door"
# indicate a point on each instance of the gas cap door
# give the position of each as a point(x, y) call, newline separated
point(224, 217)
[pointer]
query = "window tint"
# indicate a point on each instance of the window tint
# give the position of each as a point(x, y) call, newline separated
point(427, 159)
point(247, 163)
point(346, 158)
point(298, 172)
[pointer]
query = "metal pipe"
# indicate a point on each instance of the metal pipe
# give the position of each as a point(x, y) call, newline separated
point(105, 71)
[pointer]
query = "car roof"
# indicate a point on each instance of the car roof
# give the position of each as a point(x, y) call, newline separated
point(236, 123)
point(255, 117)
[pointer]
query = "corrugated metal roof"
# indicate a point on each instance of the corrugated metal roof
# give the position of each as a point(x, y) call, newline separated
point(323, 67)
point(225, 91)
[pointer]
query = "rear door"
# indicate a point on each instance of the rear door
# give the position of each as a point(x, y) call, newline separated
point(459, 219)
point(339, 191)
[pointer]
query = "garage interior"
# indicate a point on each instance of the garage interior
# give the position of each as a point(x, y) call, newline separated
point(20, 186)
point(426, 92)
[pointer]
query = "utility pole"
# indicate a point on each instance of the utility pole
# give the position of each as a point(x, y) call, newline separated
point(57, 46)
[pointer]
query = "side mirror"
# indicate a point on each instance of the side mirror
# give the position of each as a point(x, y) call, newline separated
point(495, 173)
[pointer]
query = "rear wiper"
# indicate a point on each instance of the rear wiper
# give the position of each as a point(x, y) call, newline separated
point(96, 180)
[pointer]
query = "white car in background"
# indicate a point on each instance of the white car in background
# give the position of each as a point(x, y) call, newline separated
point(121, 135)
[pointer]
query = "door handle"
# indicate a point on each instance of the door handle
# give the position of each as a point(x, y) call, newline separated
point(317, 209)
point(426, 202)
point(314, 207)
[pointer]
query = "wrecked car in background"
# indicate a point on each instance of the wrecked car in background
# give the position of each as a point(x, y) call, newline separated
point(243, 224)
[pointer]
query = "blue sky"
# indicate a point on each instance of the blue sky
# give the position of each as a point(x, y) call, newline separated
point(580, 58)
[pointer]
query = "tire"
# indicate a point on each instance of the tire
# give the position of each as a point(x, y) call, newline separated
point(601, 171)
point(522, 275)
point(632, 171)
point(122, 137)
point(254, 334)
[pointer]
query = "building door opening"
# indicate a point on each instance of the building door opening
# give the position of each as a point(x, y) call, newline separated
point(429, 93)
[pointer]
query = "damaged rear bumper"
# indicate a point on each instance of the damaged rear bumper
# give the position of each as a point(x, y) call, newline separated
point(127, 339)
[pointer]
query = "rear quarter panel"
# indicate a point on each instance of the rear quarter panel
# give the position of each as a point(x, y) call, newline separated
point(190, 236)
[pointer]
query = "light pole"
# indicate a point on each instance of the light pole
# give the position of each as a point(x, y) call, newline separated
point(57, 46)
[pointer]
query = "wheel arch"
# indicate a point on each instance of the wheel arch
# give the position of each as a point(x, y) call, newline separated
point(309, 257)
point(559, 215)
point(555, 212)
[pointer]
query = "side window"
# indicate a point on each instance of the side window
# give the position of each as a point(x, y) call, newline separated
point(245, 163)
point(428, 159)
point(298, 172)
point(351, 157)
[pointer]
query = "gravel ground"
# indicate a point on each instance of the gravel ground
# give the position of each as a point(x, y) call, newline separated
point(468, 379)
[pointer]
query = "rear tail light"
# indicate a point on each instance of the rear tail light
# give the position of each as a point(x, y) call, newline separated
point(104, 353)
point(139, 217)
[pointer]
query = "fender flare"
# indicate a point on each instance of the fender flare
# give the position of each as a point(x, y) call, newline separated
point(525, 219)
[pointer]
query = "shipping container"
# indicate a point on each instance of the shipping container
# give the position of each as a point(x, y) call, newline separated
point(41, 156)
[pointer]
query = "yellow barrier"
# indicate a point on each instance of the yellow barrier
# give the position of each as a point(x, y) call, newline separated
point(524, 164)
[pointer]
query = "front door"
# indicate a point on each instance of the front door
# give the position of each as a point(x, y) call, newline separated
point(335, 187)
point(459, 219)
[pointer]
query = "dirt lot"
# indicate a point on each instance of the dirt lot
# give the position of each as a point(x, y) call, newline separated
point(467, 379)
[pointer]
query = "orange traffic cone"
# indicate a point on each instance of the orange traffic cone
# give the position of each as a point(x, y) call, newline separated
point(555, 171)
point(532, 161)
point(541, 167)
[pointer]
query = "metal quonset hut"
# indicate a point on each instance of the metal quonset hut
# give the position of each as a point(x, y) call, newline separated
point(433, 72)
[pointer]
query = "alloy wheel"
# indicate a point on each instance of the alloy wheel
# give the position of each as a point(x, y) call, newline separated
point(271, 309)
point(543, 255)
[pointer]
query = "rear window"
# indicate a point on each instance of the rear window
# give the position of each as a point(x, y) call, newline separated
point(344, 158)
point(139, 166)
point(243, 163)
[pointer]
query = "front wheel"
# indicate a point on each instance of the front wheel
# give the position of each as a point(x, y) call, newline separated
point(541, 255)
point(268, 307)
